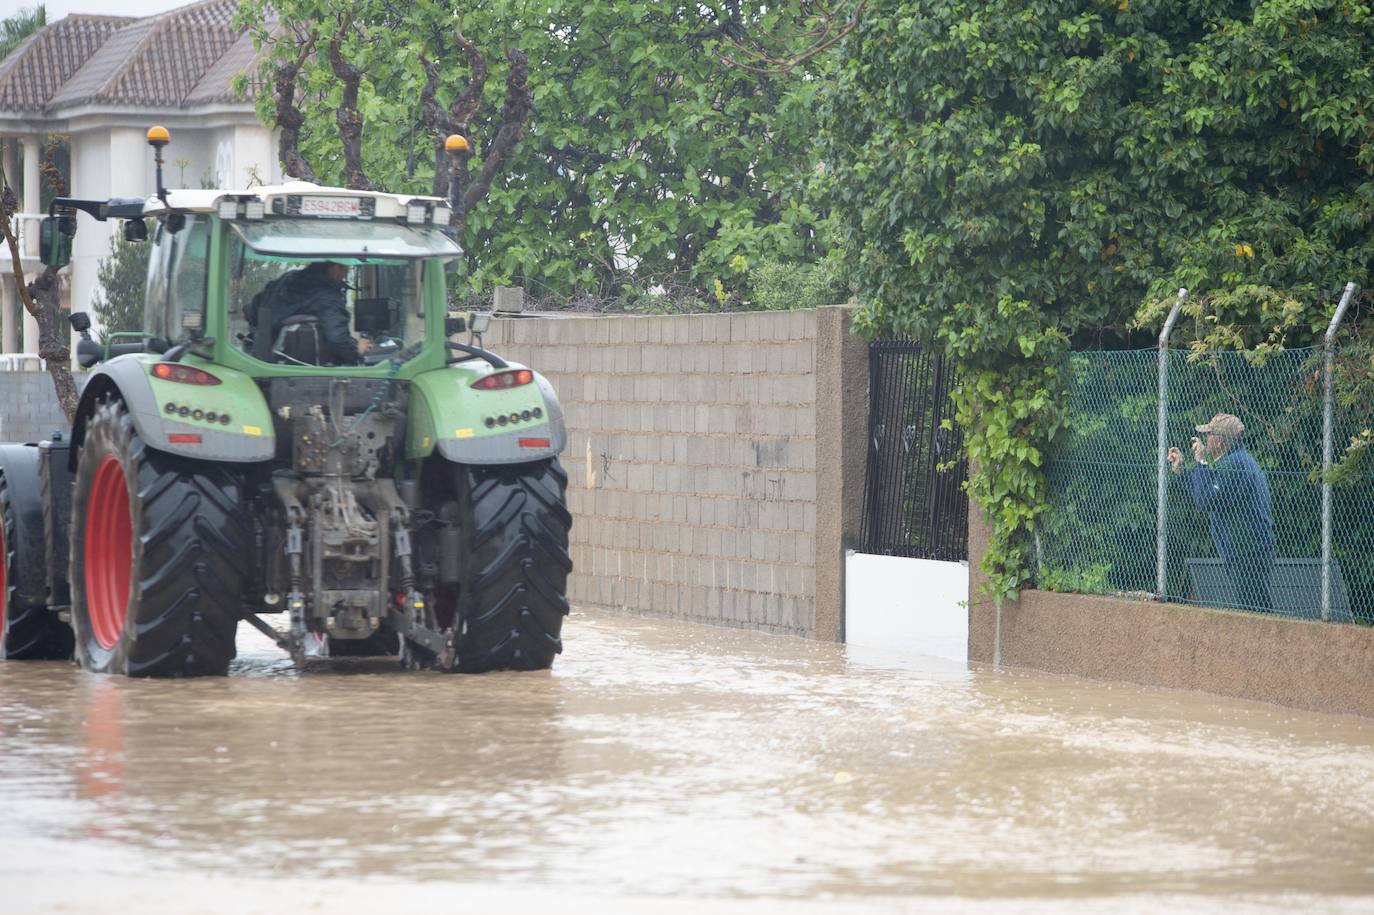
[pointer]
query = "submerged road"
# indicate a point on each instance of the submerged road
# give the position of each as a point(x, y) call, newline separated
point(671, 767)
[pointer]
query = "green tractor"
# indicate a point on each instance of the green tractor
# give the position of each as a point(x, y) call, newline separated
point(409, 504)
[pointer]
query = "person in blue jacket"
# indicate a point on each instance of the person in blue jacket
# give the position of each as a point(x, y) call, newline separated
point(1229, 486)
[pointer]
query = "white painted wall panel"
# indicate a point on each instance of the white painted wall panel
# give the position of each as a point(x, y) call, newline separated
point(915, 606)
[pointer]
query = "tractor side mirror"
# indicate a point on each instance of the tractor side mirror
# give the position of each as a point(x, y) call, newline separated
point(454, 325)
point(80, 322)
point(135, 230)
point(54, 241)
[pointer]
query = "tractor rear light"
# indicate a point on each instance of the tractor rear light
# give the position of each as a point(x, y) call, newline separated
point(197, 414)
point(491, 422)
point(502, 420)
point(534, 443)
point(415, 212)
point(184, 438)
point(499, 381)
point(228, 209)
point(254, 209)
point(184, 374)
point(441, 216)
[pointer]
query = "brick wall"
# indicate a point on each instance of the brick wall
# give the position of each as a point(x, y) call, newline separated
point(702, 460)
point(28, 406)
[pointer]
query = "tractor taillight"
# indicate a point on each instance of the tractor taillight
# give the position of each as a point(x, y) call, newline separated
point(499, 381)
point(183, 374)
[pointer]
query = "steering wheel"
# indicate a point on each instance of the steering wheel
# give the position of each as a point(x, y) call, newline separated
point(383, 348)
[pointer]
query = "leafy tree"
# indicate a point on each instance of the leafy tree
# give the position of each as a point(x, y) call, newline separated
point(1015, 178)
point(647, 159)
point(776, 286)
point(14, 29)
point(118, 301)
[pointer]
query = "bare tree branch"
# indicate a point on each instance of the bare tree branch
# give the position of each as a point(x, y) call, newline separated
point(519, 101)
point(349, 118)
point(831, 27)
point(290, 119)
point(451, 174)
point(469, 101)
point(432, 117)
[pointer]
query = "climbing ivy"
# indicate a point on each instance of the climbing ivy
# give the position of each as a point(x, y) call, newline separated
point(1015, 179)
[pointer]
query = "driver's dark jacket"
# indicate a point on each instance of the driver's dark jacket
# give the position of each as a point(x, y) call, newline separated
point(310, 292)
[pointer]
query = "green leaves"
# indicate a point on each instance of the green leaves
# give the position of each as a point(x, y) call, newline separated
point(1010, 183)
point(646, 159)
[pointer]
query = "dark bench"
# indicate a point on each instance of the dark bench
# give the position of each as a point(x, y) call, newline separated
point(1295, 588)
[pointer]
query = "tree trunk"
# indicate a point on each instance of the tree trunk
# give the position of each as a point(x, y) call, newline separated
point(46, 310)
point(519, 101)
point(348, 118)
point(290, 119)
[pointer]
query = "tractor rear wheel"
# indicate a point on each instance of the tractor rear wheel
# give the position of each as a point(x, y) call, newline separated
point(513, 593)
point(28, 629)
point(160, 548)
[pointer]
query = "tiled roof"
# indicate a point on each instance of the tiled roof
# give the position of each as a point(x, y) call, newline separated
point(155, 61)
point(217, 84)
point(34, 72)
point(185, 57)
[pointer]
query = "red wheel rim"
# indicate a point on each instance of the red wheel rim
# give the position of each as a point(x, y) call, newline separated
point(4, 583)
point(109, 552)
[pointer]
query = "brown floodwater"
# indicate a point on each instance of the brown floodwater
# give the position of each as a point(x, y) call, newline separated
point(671, 767)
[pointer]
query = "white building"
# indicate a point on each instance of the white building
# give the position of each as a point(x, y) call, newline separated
point(101, 81)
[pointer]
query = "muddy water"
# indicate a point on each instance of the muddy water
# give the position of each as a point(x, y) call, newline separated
point(665, 766)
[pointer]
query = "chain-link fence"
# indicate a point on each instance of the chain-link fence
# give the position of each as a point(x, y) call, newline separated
point(1242, 527)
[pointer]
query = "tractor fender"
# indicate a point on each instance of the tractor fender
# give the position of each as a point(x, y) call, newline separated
point(447, 414)
point(246, 438)
point(19, 463)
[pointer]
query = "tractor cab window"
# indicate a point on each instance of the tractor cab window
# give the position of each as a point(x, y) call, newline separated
point(177, 278)
point(382, 300)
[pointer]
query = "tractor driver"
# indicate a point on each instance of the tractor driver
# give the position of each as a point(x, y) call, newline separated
point(316, 290)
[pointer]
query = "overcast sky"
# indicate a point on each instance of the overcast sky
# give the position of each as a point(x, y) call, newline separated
point(59, 8)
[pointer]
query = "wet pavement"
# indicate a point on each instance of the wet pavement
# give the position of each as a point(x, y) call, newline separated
point(674, 767)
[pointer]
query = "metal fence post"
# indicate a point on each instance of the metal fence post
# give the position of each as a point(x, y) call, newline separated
point(1328, 423)
point(1162, 494)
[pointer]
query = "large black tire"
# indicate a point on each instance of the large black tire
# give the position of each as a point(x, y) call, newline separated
point(29, 631)
point(513, 594)
point(160, 551)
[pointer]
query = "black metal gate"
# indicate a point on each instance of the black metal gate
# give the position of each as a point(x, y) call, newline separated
point(912, 507)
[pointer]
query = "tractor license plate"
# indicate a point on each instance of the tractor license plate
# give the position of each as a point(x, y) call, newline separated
point(331, 206)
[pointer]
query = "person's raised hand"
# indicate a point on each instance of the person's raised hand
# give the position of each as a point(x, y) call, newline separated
point(364, 345)
point(1199, 449)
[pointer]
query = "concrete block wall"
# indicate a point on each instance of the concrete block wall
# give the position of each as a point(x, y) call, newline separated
point(715, 462)
point(701, 460)
point(28, 406)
